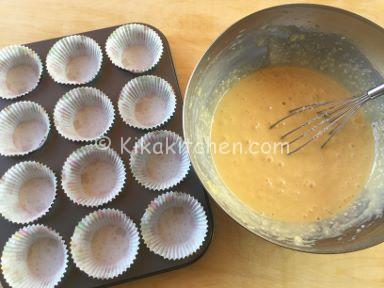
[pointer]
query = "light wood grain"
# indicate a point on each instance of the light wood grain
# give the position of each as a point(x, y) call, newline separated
point(236, 258)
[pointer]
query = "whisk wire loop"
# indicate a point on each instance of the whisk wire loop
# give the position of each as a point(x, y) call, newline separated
point(333, 117)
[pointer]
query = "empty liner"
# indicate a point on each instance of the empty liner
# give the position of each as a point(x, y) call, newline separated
point(27, 192)
point(74, 60)
point(159, 160)
point(146, 102)
point(174, 225)
point(92, 176)
point(134, 47)
point(20, 71)
point(83, 114)
point(24, 128)
point(34, 257)
point(105, 244)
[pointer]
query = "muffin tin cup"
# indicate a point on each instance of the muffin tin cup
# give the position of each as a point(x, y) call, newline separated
point(134, 47)
point(24, 128)
point(92, 176)
point(147, 102)
point(34, 257)
point(105, 244)
point(159, 160)
point(83, 114)
point(74, 60)
point(20, 71)
point(27, 192)
point(174, 225)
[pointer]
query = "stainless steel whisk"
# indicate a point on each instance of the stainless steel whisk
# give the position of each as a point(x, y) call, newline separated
point(331, 117)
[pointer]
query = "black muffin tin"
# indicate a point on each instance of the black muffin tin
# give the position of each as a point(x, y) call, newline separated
point(133, 200)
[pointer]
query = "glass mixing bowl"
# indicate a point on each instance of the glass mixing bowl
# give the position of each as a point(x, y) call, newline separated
point(339, 43)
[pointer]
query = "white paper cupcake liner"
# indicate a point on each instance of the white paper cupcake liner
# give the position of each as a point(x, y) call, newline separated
point(92, 176)
point(134, 47)
point(83, 114)
point(146, 102)
point(74, 60)
point(27, 192)
point(159, 160)
point(24, 128)
point(174, 225)
point(34, 257)
point(20, 71)
point(105, 244)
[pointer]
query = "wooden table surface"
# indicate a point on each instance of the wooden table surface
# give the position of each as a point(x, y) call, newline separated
point(236, 258)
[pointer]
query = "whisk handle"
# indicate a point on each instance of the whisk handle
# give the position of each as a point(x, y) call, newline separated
point(376, 92)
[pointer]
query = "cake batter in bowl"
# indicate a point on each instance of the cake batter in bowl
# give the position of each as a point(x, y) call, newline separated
point(318, 200)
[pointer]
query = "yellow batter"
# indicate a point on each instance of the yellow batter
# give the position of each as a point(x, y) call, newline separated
point(312, 184)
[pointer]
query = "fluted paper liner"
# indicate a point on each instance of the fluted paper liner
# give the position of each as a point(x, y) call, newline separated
point(134, 47)
point(174, 225)
point(20, 71)
point(93, 176)
point(34, 257)
point(146, 102)
point(74, 60)
point(159, 160)
point(105, 244)
point(83, 114)
point(24, 128)
point(27, 192)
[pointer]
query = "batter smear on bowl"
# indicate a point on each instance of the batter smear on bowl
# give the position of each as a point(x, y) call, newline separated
point(310, 185)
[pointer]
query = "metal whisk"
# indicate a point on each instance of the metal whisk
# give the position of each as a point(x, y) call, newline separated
point(331, 117)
